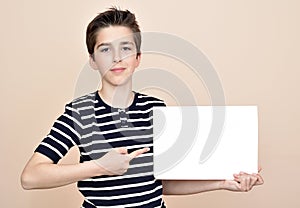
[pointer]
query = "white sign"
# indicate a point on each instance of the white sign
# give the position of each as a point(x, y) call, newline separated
point(205, 142)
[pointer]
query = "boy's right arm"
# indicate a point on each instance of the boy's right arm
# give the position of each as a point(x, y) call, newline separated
point(41, 173)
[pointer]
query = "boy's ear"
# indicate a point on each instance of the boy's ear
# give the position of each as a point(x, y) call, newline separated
point(138, 60)
point(92, 62)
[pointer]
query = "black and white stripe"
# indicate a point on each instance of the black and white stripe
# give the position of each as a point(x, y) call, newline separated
point(95, 128)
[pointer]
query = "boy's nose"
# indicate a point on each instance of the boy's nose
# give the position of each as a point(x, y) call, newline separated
point(117, 57)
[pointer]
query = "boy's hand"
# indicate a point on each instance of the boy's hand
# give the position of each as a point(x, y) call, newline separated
point(116, 161)
point(243, 182)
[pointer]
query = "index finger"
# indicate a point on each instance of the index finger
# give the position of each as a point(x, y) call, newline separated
point(259, 168)
point(136, 153)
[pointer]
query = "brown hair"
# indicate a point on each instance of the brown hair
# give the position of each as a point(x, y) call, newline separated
point(112, 17)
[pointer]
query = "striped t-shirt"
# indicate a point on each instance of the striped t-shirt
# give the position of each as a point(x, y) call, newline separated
point(95, 128)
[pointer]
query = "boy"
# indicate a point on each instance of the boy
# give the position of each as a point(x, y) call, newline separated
point(112, 128)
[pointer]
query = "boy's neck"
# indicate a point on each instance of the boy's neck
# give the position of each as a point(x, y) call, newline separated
point(117, 96)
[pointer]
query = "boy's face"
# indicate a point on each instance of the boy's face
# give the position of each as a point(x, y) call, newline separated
point(115, 55)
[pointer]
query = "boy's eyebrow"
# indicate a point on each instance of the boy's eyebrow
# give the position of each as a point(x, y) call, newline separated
point(109, 44)
point(103, 44)
point(127, 42)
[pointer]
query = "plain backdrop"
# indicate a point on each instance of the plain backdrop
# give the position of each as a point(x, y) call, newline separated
point(253, 45)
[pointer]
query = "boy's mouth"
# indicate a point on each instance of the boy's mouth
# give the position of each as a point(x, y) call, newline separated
point(118, 69)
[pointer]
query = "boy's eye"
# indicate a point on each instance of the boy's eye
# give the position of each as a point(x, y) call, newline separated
point(126, 48)
point(103, 50)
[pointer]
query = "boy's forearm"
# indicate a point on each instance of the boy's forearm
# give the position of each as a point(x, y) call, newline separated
point(44, 175)
point(183, 187)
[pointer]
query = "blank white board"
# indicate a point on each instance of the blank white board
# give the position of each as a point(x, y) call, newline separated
point(204, 142)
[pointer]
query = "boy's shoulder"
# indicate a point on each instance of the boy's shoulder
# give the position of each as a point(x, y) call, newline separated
point(147, 97)
point(90, 97)
point(83, 101)
point(144, 98)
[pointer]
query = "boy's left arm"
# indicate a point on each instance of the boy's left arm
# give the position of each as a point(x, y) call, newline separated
point(242, 182)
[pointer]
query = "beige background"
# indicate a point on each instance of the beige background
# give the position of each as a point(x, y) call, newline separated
point(253, 45)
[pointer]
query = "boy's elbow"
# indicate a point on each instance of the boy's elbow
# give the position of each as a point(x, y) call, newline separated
point(31, 176)
point(27, 180)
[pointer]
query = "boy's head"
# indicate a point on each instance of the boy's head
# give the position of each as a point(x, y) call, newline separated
point(112, 17)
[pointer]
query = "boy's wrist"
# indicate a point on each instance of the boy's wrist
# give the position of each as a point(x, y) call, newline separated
point(95, 169)
point(221, 185)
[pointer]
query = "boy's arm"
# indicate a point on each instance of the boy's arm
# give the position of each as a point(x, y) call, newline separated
point(184, 187)
point(242, 182)
point(40, 172)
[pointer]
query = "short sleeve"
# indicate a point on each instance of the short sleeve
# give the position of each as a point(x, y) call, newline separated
point(164, 104)
point(159, 103)
point(64, 134)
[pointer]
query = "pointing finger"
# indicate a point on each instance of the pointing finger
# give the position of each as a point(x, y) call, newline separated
point(136, 153)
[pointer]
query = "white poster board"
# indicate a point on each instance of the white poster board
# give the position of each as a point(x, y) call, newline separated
point(204, 142)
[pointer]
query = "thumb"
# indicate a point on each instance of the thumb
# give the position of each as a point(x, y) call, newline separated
point(121, 150)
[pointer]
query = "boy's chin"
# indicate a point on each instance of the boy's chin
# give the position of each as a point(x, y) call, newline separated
point(120, 82)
